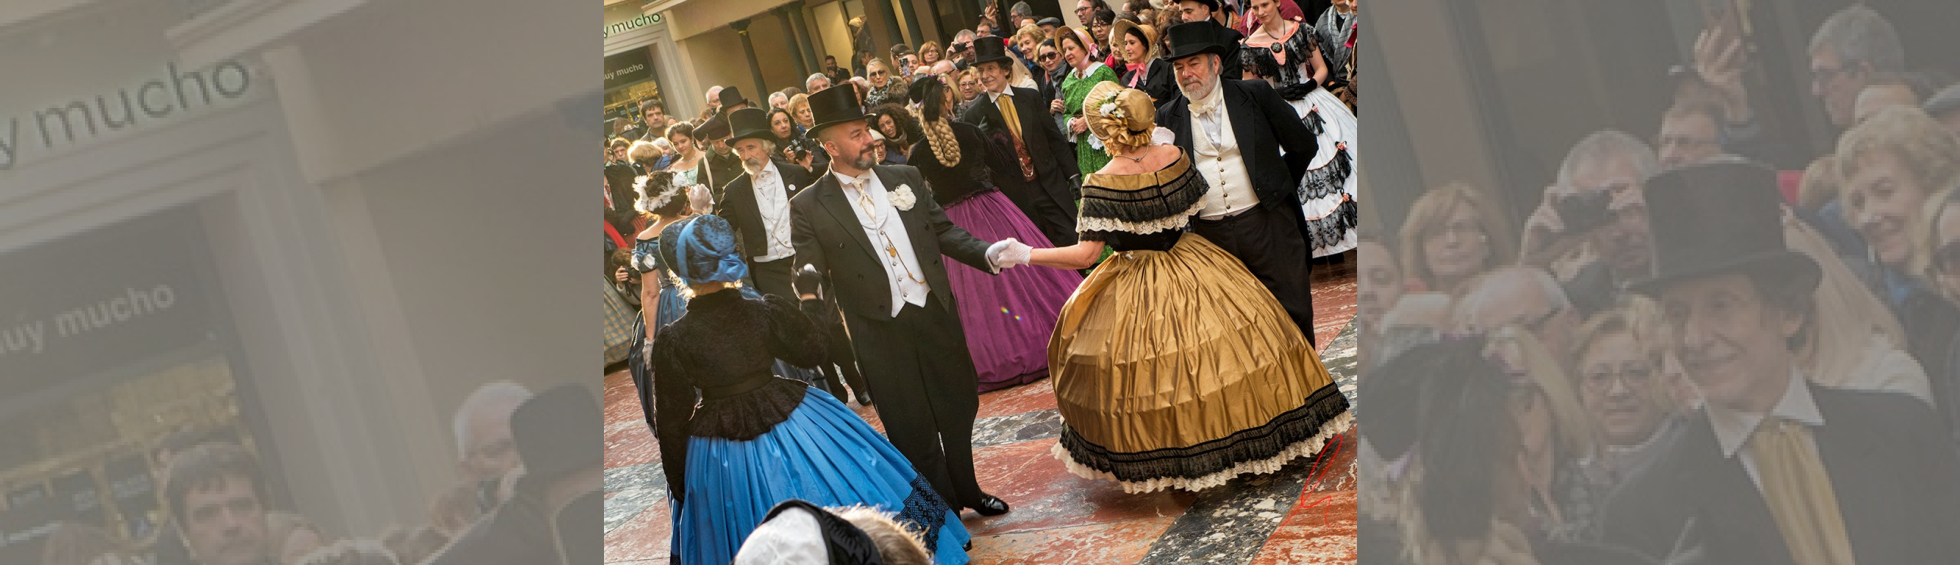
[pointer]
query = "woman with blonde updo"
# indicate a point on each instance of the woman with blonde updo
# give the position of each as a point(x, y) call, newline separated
point(1231, 387)
point(1007, 317)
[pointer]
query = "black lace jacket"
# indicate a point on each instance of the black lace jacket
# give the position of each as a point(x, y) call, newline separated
point(725, 347)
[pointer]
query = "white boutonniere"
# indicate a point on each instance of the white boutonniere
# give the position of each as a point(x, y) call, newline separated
point(903, 198)
point(789, 189)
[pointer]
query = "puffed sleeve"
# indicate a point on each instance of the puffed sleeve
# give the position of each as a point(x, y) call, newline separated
point(793, 336)
point(675, 398)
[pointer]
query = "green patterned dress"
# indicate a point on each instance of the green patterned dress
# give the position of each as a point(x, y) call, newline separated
point(1088, 154)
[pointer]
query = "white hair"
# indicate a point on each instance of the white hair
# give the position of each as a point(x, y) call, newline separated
point(501, 395)
point(1608, 143)
point(1858, 34)
point(1506, 280)
point(813, 80)
point(774, 97)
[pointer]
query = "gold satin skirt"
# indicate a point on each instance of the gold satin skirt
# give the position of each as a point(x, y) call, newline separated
point(1178, 369)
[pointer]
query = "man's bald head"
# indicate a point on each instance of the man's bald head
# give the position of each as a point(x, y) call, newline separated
point(1527, 297)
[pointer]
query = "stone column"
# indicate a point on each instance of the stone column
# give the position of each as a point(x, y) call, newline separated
point(755, 68)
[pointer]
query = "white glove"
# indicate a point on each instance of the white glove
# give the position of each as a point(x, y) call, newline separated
point(1008, 253)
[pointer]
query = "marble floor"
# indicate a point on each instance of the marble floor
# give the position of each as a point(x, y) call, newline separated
point(1303, 514)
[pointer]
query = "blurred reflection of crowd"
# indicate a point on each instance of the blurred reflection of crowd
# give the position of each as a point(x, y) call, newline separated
point(1643, 393)
point(519, 484)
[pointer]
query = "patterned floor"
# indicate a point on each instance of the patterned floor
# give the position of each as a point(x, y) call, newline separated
point(1303, 514)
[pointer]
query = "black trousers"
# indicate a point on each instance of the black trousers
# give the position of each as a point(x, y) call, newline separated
point(773, 277)
point(1271, 245)
point(927, 393)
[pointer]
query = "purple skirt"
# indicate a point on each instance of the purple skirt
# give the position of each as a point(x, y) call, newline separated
point(1008, 317)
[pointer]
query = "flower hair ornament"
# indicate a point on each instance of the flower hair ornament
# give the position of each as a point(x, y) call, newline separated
point(1120, 116)
point(654, 191)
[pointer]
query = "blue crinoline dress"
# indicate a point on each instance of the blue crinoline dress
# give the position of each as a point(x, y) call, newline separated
point(756, 440)
point(673, 304)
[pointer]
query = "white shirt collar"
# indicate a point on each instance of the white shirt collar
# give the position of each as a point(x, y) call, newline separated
point(1086, 71)
point(1733, 427)
point(844, 181)
point(1007, 91)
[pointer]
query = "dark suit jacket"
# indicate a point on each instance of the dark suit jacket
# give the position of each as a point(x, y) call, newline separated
point(1895, 474)
point(716, 170)
point(1264, 124)
point(827, 234)
point(1160, 81)
point(1054, 159)
point(738, 206)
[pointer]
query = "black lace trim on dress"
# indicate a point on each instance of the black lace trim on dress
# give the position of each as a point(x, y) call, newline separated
point(744, 417)
point(1328, 180)
point(1171, 199)
point(1332, 229)
point(1255, 444)
point(925, 511)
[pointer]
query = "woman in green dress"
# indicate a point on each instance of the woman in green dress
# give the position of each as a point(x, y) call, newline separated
point(1085, 72)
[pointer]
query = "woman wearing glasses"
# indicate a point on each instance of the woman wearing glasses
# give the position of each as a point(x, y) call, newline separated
point(1620, 383)
point(884, 86)
point(1286, 54)
point(1553, 433)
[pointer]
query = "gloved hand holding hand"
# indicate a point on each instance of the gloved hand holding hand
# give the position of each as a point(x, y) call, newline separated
point(1008, 253)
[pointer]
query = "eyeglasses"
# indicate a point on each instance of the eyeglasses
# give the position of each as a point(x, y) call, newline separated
point(1047, 57)
point(1631, 374)
point(877, 73)
point(1823, 75)
point(1537, 325)
point(1467, 229)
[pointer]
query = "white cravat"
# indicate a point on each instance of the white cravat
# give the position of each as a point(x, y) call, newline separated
point(1215, 153)
point(772, 199)
point(889, 239)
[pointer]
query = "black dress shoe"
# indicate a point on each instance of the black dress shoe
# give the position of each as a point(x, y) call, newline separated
point(990, 506)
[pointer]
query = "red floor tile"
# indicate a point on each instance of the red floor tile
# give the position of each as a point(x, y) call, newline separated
point(1045, 496)
point(1121, 542)
point(1321, 533)
point(1038, 395)
point(644, 537)
point(630, 443)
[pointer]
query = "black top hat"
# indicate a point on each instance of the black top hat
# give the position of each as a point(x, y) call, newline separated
point(1193, 38)
point(549, 428)
point(731, 96)
point(750, 123)
point(833, 106)
point(990, 49)
point(715, 128)
point(1720, 218)
point(1213, 4)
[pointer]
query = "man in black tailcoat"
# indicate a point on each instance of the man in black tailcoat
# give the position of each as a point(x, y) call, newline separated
point(719, 165)
point(1235, 132)
point(1043, 179)
point(876, 235)
point(1773, 469)
point(756, 203)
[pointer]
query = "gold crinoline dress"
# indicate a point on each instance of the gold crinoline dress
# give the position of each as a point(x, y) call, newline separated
point(1173, 366)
